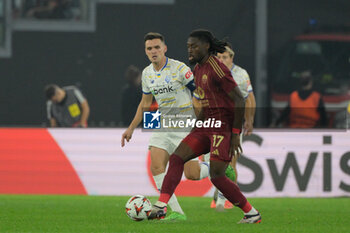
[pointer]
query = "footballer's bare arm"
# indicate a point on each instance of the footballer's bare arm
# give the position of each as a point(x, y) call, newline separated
point(144, 105)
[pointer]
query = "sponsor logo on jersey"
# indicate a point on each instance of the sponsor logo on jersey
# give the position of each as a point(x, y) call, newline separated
point(162, 90)
point(188, 74)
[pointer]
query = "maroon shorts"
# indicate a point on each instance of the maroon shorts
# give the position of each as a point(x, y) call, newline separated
point(215, 142)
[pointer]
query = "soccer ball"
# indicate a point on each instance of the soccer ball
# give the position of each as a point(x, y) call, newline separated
point(138, 207)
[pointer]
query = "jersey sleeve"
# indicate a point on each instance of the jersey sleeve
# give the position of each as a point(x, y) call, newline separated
point(145, 87)
point(196, 95)
point(186, 76)
point(222, 75)
point(48, 109)
point(244, 84)
point(249, 84)
point(79, 95)
point(227, 82)
point(250, 87)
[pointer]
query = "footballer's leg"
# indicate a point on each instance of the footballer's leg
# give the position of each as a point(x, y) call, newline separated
point(234, 166)
point(231, 172)
point(189, 148)
point(159, 160)
point(219, 160)
point(220, 202)
point(171, 180)
point(196, 170)
point(232, 192)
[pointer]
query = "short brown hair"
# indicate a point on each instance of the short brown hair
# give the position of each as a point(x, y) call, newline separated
point(153, 35)
point(230, 51)
point(50, 90)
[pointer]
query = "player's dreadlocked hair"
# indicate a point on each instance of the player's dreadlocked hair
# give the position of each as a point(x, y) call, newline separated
point(216, 45)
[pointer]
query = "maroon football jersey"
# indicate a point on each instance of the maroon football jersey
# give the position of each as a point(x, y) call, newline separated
point(213, 83)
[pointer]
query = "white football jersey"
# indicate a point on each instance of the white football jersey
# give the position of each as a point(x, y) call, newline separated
point(241, 77)
point(168, 86)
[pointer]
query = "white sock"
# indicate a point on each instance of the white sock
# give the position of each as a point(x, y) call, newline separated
point(160, 204)
point(221, 199)
point(204, 170)
point(173, 203)
point(253, 211)
point(206, 157)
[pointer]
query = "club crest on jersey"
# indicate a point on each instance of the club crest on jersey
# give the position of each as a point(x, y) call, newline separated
point(204, 79)
point(152, 81)
point(167, 79)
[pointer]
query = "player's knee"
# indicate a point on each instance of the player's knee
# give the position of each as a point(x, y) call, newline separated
point(157, 169)
point(192, 170)
point(191, 174)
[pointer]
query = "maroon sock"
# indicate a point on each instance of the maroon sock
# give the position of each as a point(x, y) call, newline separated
point(172, 178)
point(231, 191)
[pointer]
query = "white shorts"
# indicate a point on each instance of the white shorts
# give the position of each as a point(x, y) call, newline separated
point(167, 140)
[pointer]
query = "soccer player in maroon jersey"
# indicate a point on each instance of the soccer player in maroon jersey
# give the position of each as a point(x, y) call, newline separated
point(221, 99)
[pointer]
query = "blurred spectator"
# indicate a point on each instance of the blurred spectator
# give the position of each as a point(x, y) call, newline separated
point(66, 106)
point(131, 94)
point(305, 107)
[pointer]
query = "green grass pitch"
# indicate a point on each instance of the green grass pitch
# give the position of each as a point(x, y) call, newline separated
point(36, 213)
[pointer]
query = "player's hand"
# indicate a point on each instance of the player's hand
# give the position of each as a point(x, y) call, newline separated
point(235, 147)
point(126, 136)
point(247, 128)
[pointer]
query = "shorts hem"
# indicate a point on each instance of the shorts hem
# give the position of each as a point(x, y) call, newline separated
point(159, 147)
point(219, 159)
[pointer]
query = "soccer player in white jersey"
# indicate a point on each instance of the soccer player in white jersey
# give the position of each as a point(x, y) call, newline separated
point(171, 82)
point(241, 77)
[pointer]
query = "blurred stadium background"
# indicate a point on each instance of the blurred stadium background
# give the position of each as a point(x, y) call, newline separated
point(90, 44)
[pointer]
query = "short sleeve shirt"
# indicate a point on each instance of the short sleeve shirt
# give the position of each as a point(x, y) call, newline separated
point(213, 84)
point(168, 86)
point(241, 77)
point(68, 112)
